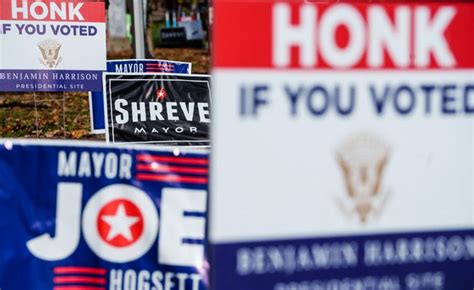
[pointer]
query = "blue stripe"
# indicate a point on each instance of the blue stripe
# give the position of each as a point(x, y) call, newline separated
point(427, 260)
point(50, 80)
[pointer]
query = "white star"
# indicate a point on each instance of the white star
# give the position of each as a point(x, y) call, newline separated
point(120, 223)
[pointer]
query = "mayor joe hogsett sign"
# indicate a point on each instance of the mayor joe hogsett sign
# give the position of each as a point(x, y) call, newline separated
point(52, 45)
point(97, 217)
point(343, 152)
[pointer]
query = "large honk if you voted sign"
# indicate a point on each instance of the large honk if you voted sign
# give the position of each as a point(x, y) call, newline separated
point(343, 153)
point(52, 45)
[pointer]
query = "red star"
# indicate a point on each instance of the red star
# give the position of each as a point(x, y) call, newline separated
point(161, 94)
point(120, 223)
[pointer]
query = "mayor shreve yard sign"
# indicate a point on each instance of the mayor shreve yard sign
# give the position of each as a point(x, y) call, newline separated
point(168, 109)
point(96, 99)
point(52, 45)
point(343, 153)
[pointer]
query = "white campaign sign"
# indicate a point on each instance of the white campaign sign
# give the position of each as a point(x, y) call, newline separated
point(290, 161)
point(52, 45)
point(343, 147)
point(27, 55)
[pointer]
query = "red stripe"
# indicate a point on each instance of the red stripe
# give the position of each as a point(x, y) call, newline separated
point(73, 287)
point(171, 178)
point(254, 48)
point(91, 11)
point(160, 67)
point(79, 279)
point(159, 70)
point(170, 159)
point(172, 169)
point(80, 270)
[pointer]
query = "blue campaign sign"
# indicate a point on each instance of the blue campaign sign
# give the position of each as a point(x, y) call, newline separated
point(82, 216)
point(96, 100)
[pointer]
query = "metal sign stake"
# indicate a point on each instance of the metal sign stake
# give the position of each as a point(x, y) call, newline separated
point(139, 35)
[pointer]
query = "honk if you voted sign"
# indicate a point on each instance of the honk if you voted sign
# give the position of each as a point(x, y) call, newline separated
point(52, 45)
point(343, 153)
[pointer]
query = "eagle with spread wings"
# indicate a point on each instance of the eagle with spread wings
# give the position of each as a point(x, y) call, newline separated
point(50, 53)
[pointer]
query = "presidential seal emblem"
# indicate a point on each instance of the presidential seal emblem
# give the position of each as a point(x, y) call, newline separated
point(362, 160)
point(50, 49)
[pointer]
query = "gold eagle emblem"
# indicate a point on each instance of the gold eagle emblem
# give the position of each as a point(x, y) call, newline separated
point(50, 49)
point(362, 160)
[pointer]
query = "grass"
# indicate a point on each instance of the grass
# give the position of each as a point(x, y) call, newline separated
point(66, 115)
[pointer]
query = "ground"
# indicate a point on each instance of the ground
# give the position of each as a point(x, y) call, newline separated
point(42, 115)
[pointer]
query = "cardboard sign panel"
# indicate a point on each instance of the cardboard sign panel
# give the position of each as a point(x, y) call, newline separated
point(343, 154)
point(158, 108)
point(83, 215)
point(96, 99)
point(52, 45)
